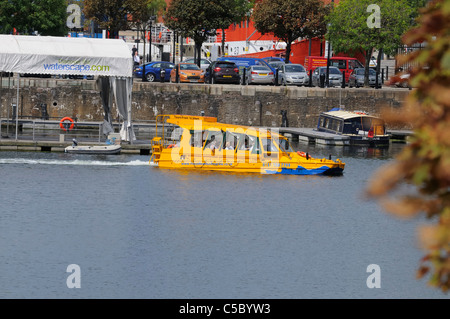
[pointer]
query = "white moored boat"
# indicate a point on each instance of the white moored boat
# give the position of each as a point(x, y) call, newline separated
point(107, 149)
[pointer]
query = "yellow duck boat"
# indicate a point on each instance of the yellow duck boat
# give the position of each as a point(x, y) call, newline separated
point(202, 143)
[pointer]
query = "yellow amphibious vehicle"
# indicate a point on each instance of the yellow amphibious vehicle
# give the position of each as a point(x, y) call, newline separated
point(201, 143)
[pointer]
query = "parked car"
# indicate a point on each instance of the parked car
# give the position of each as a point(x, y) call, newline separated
point(188, 72)
point(335, 76)
point(223, 72)
point(344, 64)
point(356, 78)
point(292, 74)
point(259, 74)
point(153, 70)
point(243, 63)
point(204, 63)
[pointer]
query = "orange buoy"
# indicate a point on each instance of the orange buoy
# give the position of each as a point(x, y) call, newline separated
point(62, 122)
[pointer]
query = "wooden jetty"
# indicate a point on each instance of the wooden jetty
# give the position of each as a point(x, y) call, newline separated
point(313, 136)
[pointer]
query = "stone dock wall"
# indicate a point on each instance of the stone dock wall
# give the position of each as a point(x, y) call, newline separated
point(235, 104)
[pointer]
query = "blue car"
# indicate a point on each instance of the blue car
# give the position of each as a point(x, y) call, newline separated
point(274, 59)
point(153, 71)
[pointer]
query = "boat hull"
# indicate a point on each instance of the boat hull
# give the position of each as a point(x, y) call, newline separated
point(295, 165)
point(324, 170)
point(94, 149)
point(372, 142)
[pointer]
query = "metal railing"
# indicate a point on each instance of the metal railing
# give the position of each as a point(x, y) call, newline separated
point(88, 132)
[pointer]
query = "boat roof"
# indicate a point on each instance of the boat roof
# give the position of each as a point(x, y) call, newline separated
point(190, 122)
point(348, 114)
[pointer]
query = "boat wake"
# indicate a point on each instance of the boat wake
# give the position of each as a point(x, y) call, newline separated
point(27, 161)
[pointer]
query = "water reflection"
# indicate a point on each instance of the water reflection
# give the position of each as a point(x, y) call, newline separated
point(317, 150)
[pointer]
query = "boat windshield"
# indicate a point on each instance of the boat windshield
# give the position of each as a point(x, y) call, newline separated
point(285, 146)
point(175, 136)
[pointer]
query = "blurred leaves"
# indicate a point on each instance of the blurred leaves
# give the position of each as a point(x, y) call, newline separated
point(289, 20)
point(424, 163)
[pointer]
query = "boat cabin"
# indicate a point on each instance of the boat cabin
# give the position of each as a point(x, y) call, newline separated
point(358, 125)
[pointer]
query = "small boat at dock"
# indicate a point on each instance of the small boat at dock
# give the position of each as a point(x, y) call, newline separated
point(360, 127)
point(107, 149)
point(202, 143)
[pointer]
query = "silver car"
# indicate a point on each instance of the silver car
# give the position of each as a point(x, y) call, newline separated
point(335, 76)
point(292, 74)
point(356, 78)
point(259, 74)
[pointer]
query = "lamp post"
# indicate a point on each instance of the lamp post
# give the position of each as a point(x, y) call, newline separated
point(327, 78)
point(144, 78)
point(152, 18)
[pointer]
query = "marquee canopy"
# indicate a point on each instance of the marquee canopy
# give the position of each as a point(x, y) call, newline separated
point(63, 55)
point(108, 59)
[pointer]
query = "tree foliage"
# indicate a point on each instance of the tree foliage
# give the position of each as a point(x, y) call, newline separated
point(142, 11)
point(349, 30)
point(196, 19)
point(291, 19)
point(233, 11)
point(110, 15)
point(425, 162)
point(47, 17)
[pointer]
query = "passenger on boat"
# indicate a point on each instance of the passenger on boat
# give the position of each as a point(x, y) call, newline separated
point(211, 144)
point(247, 145)
point(74, 142)
point(228, 146)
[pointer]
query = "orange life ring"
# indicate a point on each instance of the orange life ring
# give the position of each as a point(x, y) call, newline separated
point(171, 145)
point(61, 123)
point(301, 153)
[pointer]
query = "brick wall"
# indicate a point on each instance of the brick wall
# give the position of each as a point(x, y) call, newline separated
point(235, 104)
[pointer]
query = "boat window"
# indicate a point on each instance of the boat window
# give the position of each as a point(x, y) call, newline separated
point(246, 142)
point(256, 147)
point(335, 125)
point(357, 125)
point(197, 138)
point(321, 122)
point(214, 140)
point(268, 145)
point(366, 123)
point(230, 141)
point(176, 134)
point(284, 146)
point(350, 128)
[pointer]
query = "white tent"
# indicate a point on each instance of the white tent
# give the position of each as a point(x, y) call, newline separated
point(109, 59)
